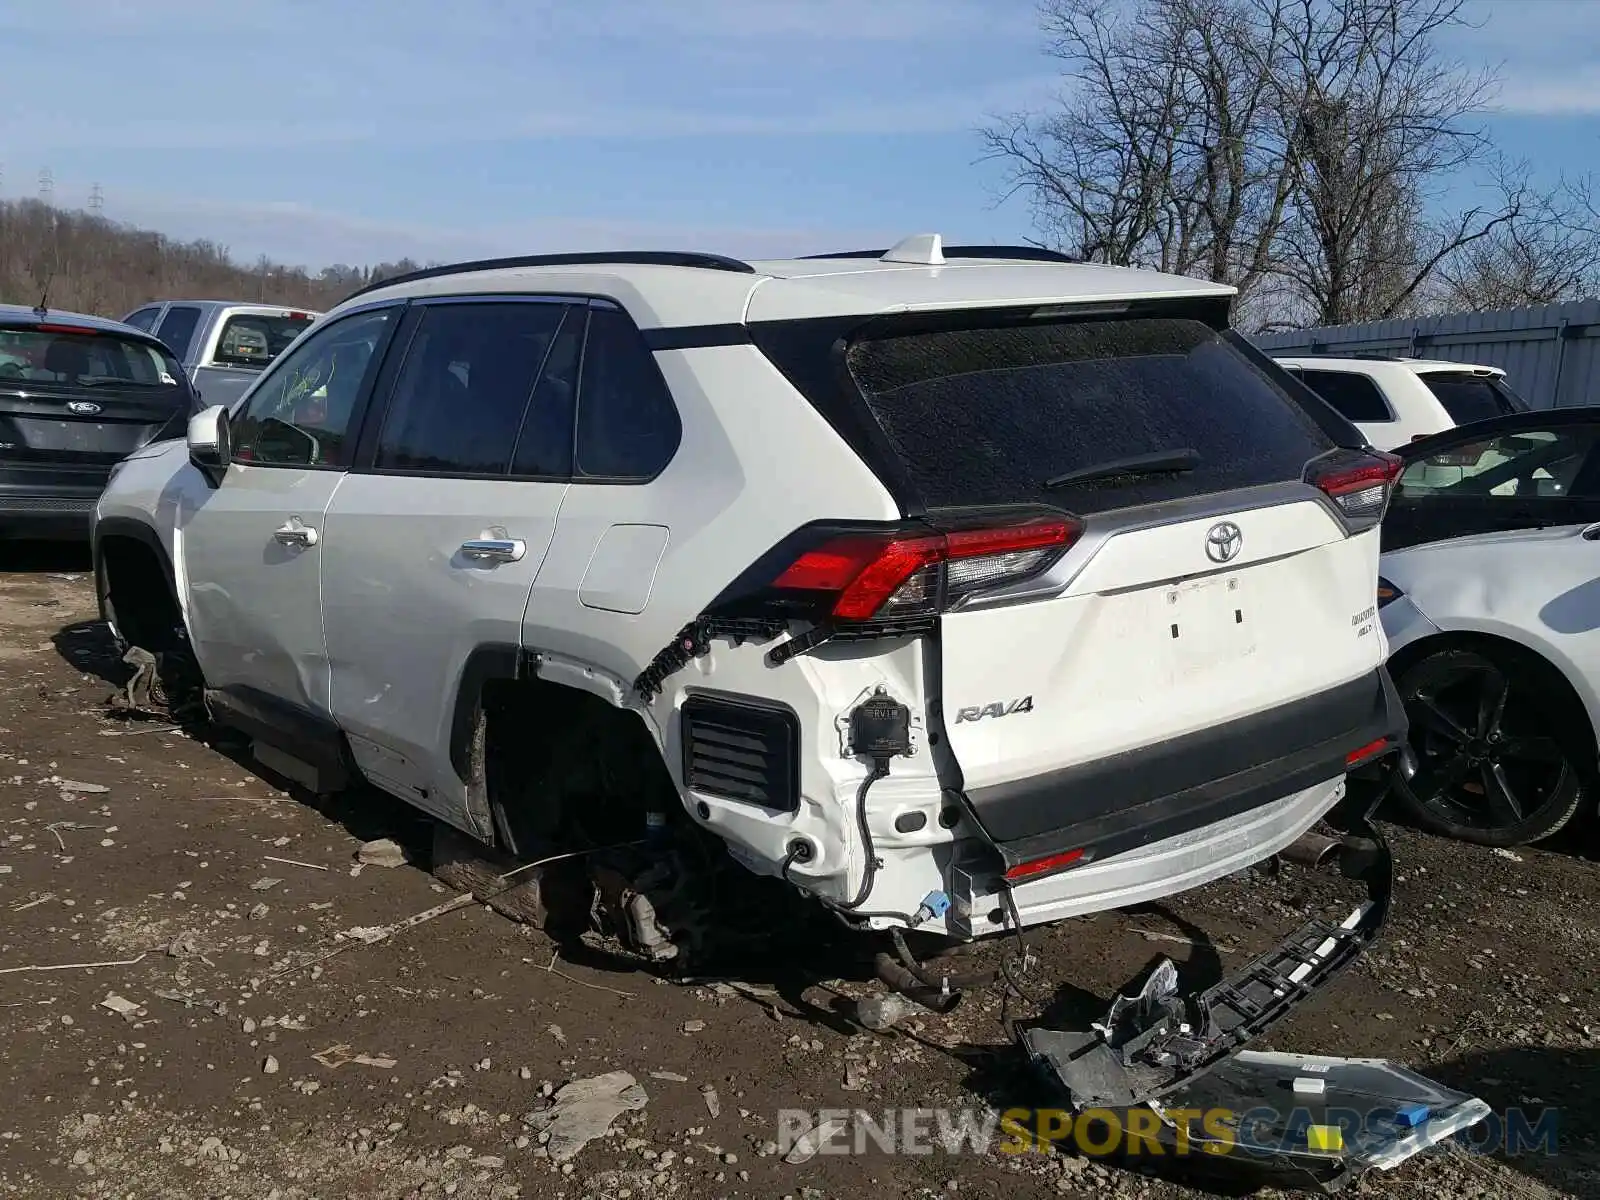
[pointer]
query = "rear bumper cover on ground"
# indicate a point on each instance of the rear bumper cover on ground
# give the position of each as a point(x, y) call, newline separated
point(1182, 1054)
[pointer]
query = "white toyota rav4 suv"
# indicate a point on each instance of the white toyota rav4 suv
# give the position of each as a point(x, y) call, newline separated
point(963, 589)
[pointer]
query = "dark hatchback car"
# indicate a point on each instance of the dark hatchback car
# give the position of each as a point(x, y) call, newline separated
point(77, 395)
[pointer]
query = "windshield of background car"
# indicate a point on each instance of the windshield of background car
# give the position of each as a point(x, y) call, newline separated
point(64, 357)
point(1535, 462)
point(255, 339)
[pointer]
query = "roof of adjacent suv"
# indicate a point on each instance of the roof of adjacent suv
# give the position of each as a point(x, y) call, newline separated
point(1354, 362)
point(668, 290)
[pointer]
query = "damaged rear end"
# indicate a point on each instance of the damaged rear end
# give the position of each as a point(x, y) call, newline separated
point(1127, 613)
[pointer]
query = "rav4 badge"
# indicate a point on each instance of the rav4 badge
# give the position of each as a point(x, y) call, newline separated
point(998, 709)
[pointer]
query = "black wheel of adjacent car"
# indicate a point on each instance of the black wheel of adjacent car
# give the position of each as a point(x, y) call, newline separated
point(1498, 752)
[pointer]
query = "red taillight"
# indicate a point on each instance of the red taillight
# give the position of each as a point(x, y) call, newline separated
point(295, 316)
point(1042, 866)
point(1358, 482)
point(81, 330)
point(868, 573)
point(1367, 753)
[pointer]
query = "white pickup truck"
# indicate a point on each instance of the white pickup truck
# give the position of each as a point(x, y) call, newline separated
point(222, 344)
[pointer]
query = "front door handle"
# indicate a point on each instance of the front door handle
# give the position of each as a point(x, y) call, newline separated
point(294, 532)
point(494, 549)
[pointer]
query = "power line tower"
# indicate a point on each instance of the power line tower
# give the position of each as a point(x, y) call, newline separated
point(97, 201)
point(47, 186)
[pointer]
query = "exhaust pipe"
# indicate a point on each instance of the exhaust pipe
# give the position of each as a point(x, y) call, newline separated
point(1311, 849)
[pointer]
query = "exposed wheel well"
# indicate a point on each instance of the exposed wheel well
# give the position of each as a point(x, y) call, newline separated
point(1412, 653)
point(137, 592)
point(564, 767)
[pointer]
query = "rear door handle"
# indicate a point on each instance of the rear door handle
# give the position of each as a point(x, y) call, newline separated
point(1591, 533)
point(494, 549)
point(294, 532)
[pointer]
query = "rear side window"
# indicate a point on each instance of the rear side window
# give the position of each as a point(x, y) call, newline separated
point(460, 397)
point(62, 357)
point(628, 427)
point(255, 339)
point(143, 319)
point(1354, 397)
point(177, 327)
point(1468, 397)
point(989, 415)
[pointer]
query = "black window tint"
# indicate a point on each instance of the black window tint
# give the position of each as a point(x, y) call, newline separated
point(177, 327)
point(628, 427)
point(1354, 397)
point(462, 391)
point(1468, 397)
point(303, 411)
point(544, 445)
point(143, 319)
point(987, 415)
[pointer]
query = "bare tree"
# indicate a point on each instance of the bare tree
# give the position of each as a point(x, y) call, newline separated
point(1385, 123)
point(1549, 252)
point(1291, 147)
point(1165, 149)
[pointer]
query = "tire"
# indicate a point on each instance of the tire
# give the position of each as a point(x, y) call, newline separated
point(1499, 749)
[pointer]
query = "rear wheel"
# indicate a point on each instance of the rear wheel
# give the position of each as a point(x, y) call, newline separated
point(1498, 751)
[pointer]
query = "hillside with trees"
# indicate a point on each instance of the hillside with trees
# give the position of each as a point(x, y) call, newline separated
point(93, 265)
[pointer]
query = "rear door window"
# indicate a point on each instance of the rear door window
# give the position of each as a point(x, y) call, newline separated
point(461, 395)
point(255, 339)
point(178, 326)
point(1468, 397)
point(1354, 396)
point(144, 318)
point(990, 415)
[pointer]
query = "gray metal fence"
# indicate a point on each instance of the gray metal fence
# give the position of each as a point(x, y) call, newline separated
point(1551, 354)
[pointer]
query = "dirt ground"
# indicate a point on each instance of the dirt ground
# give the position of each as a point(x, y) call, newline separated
point(184, 1066)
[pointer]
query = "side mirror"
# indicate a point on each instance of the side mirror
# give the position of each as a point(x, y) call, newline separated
point(210, 443)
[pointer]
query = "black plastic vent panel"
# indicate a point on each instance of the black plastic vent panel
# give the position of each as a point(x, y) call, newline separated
point(741, 751)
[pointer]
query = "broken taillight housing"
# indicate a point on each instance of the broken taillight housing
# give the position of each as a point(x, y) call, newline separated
point(1359, 482)
point(862, 576)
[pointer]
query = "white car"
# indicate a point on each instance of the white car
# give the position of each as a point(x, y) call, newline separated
point(1490, 597)
point(961, 591)
point(1394, 401)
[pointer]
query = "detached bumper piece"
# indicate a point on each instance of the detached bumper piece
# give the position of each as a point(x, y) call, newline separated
point(1328, 1118)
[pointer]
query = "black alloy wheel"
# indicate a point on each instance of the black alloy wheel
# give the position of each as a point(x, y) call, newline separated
point(1498, 749)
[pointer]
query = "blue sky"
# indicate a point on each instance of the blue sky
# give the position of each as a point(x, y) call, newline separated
point(356, 130)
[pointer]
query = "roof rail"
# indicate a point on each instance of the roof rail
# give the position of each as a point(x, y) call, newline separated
point(1013, 253)
point(1324, 351)
point(646, 258)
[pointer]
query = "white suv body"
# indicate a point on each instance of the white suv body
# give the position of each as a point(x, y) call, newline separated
point(1393, 401)
point(1087, 571)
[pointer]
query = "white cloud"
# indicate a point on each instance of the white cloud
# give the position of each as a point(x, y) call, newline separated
point(289, 231)
point(1574, 91)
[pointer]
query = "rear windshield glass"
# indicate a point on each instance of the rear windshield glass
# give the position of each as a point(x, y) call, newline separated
point(1467, 397)
point(254, 340)
point(70, 359)
point(987, 416)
